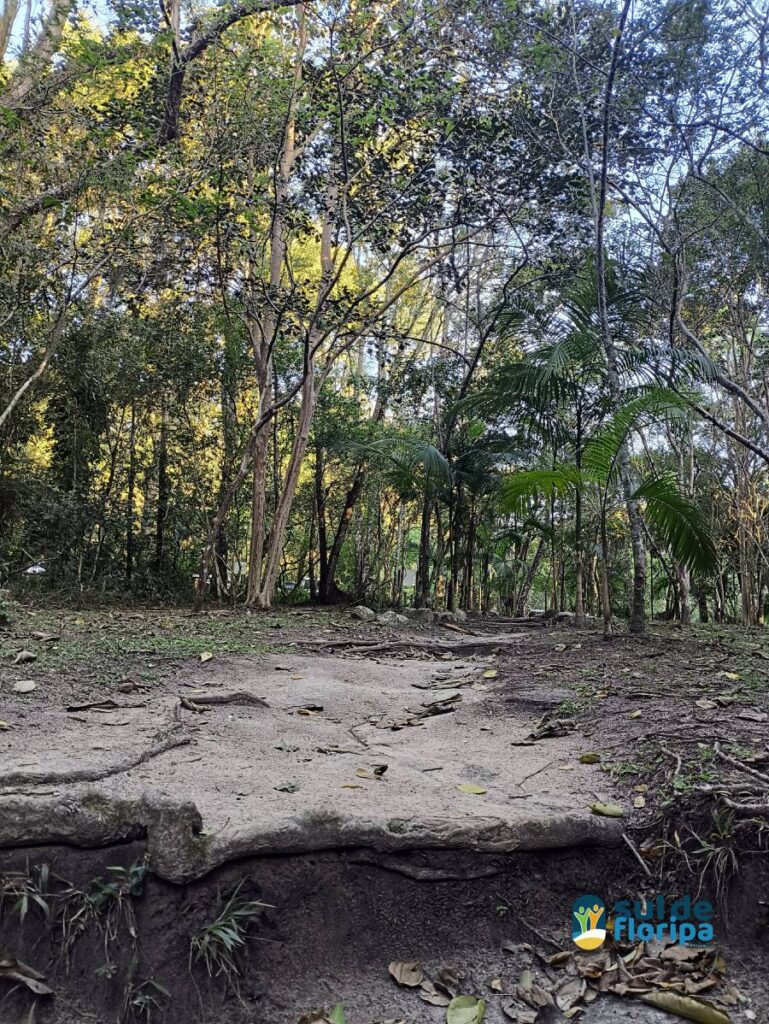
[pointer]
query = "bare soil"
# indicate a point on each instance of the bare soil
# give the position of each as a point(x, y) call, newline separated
point(362, 865)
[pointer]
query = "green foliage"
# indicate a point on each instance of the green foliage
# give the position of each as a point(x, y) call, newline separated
point(219, 943)
point(679, 522)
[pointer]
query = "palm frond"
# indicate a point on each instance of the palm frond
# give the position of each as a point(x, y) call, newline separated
point(600, 452)
point(679, 522)
point(520, 488)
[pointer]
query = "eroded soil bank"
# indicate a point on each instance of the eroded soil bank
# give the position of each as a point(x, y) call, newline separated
point(335, 921)
point(416, 794)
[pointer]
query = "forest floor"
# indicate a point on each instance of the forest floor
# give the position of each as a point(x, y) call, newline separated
point(223, 735)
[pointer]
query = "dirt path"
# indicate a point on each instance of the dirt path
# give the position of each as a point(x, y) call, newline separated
point(345, 753)
point(384, 806)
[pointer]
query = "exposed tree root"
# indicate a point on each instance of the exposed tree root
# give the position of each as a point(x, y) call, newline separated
point(197, 702)
point(444, 867)
point(166, 739)
point(758, 787)
point(425, 646)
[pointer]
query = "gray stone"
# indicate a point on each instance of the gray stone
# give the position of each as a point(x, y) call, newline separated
point(423, 615)
point(363, 613)
point(445, 617)
point(460, 615)
point(391, 618)
point(567, 617)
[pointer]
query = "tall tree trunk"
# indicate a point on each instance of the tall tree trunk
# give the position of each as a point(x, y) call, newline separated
point(702, 603)
point(330, 592)
point(130, 501)
point(684, 586)
point(266, 594)
point(422, 588)
point(526, 584)
point(598, 192)
point(163, 490)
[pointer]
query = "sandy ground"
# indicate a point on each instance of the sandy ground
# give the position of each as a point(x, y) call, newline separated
point(322, 766)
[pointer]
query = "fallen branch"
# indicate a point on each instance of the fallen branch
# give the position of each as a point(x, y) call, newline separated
point(240, 697)
point(741, 766)
point(735, 805)
point(427, 646)
point(165, 740)
point(636, 854)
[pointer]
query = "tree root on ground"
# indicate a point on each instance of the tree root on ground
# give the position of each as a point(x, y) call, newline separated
point(240, 697)
point(425, 646)
point(758, 785)
point(166, 739)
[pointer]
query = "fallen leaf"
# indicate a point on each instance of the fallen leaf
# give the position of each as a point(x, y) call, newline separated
point(430, 994)
point(351, 785)
point(465, 1010)
point(25, 686)
point(496, 985)
point(753, 716)
point(490, 673)
point(590, 758)
point(4, 726)
point(206, 656)
point(24, 657)
point(607, 810)
point(639, 802)
point(635, 714)
point(15, 970)
point(733, 676)
point(468, 787)
point(406, 972)
point(687, 1007)
point(705, 704)
point(558, 959)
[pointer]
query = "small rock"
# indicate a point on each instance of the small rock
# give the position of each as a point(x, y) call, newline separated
point(445, 617)
point(127, 686)
point(391, 618)
point(460, 615)
point(24, 657)
point(424, 615)
point(567, 617)
point(363, 613)
point(25, 686)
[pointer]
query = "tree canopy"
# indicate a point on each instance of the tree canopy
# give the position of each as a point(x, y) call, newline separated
point(449, 304)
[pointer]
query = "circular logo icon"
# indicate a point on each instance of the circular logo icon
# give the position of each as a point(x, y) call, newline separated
point(588, 922)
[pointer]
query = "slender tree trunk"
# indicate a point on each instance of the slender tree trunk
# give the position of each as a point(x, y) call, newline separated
point(130, 501)
point(163, 490)
point(266, 595)
point(684, 586)
point(422, 589)
point(526, 585)
point(330, 592)
point(605, 593)
point(598, 192)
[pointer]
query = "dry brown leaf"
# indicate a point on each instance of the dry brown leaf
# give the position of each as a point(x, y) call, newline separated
point(688, 1007)
point(406, 972)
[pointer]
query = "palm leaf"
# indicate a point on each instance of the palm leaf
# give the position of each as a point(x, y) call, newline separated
point(679, 522)
point(520, 488)
point(600, 452)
